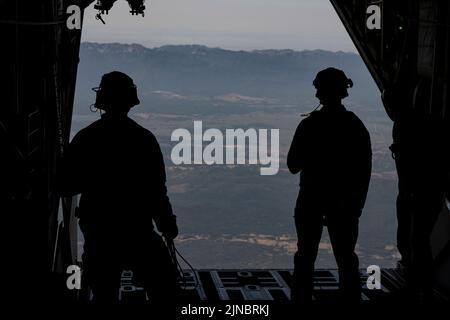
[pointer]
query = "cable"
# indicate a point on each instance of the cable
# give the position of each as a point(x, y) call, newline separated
point(197, 282)
point(173, 255)
point(309, 113)
point(173, 252)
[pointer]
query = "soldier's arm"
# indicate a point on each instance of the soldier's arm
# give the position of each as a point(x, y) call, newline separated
point(164, 218)
point(365, 162)
point(295, 158)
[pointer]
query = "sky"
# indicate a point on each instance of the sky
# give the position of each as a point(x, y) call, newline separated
point(229, 24)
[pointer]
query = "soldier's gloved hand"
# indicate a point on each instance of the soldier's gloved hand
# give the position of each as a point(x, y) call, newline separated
point(169, 228)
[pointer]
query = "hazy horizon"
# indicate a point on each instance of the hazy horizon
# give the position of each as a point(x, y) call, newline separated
point(228, 24)
point(215, 47)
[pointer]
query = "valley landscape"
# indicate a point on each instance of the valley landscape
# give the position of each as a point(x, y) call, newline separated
point(229, 215)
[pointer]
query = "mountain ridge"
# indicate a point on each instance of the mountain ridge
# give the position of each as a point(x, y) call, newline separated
point(197, 71)
point(168, 47)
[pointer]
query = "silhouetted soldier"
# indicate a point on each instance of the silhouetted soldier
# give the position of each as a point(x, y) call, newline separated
point(421, 152)
point(118, 168)
point(332, 149)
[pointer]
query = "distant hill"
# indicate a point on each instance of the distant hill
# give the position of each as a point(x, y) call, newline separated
point(197, 74)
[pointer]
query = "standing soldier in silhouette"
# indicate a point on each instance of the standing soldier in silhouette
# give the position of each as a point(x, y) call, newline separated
point(331, 148)
point(421, 152)
point(117, 167)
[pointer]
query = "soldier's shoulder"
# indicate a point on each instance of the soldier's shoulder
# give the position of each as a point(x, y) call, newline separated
point(142, 131)
point(311, 117)
point(87, 131)
point(355, 123)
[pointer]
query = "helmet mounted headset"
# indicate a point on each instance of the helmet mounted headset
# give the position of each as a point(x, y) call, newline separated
point(116, 92)
point(331, 83)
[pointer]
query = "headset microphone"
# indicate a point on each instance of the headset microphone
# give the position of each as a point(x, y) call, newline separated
point(309, 113)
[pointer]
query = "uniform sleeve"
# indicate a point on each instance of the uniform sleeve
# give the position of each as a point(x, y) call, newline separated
point(296, 155)
point(163, 215)
point(364, 160)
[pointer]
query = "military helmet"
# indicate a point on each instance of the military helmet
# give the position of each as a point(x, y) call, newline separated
point(116, 90)
point(332, 83)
